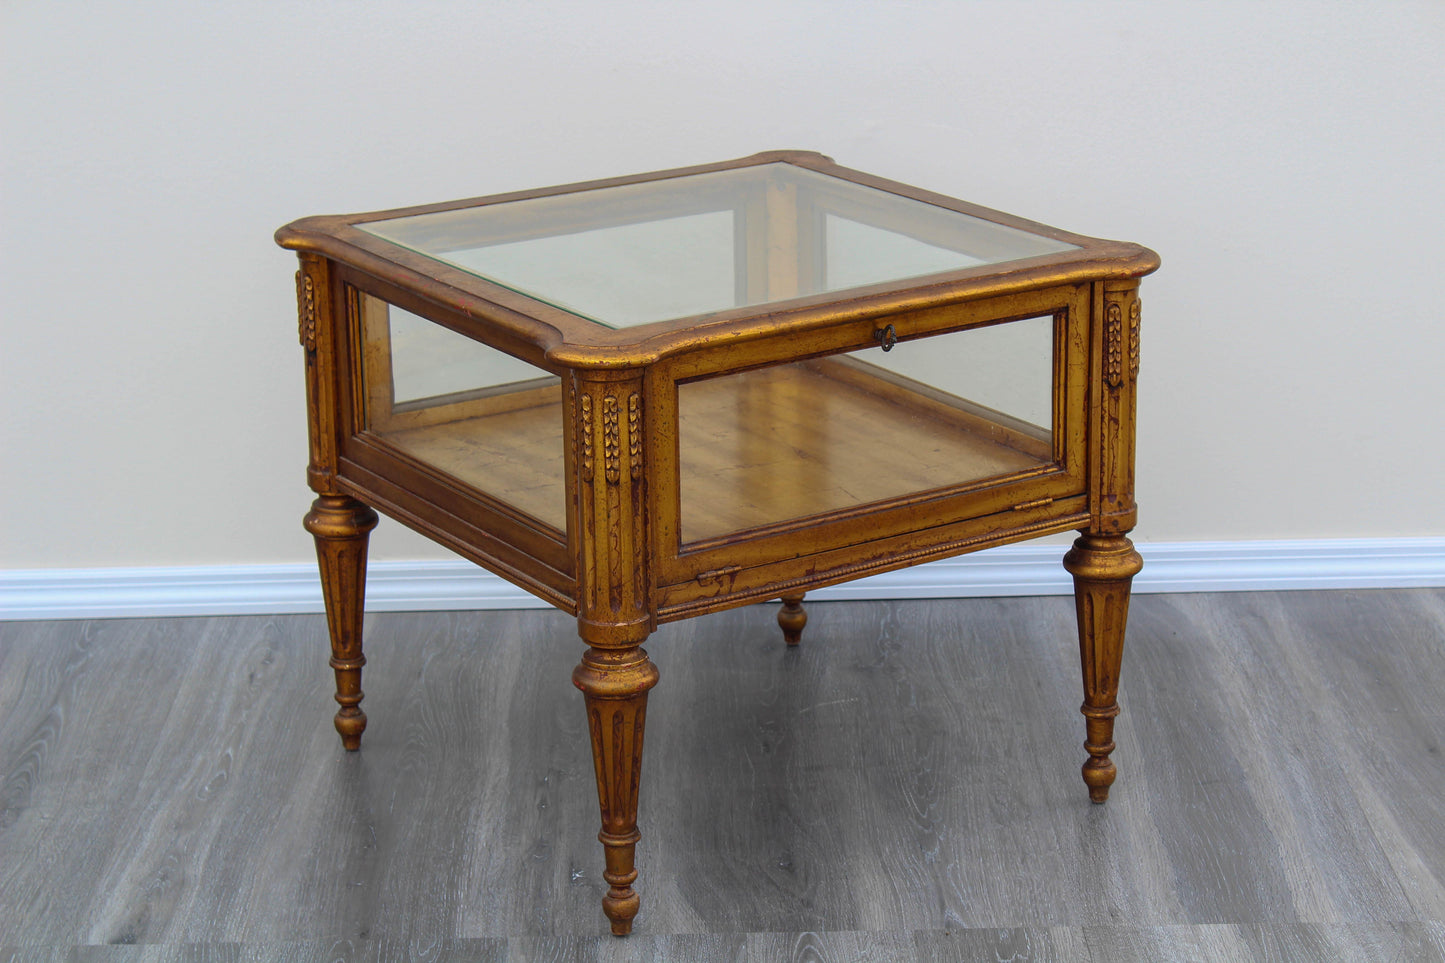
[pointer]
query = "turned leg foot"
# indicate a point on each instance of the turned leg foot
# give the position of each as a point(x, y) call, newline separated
point(341, 525)
point(1103, 567)
point(614, 685)
point(792, 618)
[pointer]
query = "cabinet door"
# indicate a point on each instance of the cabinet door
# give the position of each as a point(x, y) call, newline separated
point(973, 411)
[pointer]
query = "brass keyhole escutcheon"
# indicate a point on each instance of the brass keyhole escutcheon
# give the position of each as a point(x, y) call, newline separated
point(886, 337)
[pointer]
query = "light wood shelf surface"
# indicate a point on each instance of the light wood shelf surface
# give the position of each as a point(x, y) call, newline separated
point(755, 449)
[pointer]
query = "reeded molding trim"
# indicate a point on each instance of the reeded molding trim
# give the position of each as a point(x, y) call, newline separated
point(1033, 569)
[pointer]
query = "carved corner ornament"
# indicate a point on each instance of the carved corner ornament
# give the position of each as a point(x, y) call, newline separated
point(1113, 344)
point(613, 575)
point(634, 435)
point(611, 437)
point(585, 405)
point(611, 441)
point(306, 299)
point(1134, 339)
point(1116, 353)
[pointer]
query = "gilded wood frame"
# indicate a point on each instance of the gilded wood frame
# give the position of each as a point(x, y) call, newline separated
point(620, 564)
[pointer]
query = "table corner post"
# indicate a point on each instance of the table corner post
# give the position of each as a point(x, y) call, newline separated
point(317, 315)
point(340, 525)
point(1103, 561)
point(616, 609)
point(1116, 337)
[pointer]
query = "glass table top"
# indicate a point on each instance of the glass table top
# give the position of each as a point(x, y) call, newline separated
point(701, 243)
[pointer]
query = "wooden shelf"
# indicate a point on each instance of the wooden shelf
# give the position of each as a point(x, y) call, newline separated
point(786, 442)
point(756, 448)
point(514, 454)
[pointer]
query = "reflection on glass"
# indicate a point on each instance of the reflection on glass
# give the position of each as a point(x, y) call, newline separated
point(428, 360)
point(858, 254)
point(483, 417)
point(827, 434)
point(628, 275)
point(691, 245)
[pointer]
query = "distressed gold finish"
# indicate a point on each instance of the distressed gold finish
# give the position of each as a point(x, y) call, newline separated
point(605, 537)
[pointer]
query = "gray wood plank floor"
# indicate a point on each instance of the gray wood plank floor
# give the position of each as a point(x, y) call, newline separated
point(903, 786)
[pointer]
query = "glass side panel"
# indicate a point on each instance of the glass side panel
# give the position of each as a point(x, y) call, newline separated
point(683, 246)
point(827, 434)
point(428, 360)
point(489, 420)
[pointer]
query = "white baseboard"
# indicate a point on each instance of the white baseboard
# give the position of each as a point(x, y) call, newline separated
point(1010, 570)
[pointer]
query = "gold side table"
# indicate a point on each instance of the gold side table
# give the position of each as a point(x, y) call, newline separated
point(652, 397)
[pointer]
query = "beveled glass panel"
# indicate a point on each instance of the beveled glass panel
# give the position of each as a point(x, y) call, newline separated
point(487, 419)
point(701, 243)
point(828, 434)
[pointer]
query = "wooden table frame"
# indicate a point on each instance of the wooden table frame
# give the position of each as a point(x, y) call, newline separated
point(621, 565)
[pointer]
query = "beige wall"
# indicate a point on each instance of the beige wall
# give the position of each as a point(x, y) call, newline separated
point(1285, 159)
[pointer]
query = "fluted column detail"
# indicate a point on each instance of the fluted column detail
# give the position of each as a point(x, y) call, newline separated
point(341, 526)
point(1103, 567)
point(614, 685)
point(615, 611)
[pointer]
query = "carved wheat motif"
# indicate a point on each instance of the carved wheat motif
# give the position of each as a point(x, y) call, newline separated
point(587, 456)
point(306, 295)
point(634, 435)
point(1134, 339)
point(1114, 344)
point(611, 441)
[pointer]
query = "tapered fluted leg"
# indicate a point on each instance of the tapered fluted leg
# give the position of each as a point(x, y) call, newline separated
point(341, 526)
point(792, 618)
point(614, 684)
point(1103, 567)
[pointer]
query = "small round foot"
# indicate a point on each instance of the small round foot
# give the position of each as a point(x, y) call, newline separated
point(621, 910)
point(1099, 775)
point(792, 619)
point(350, 725)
